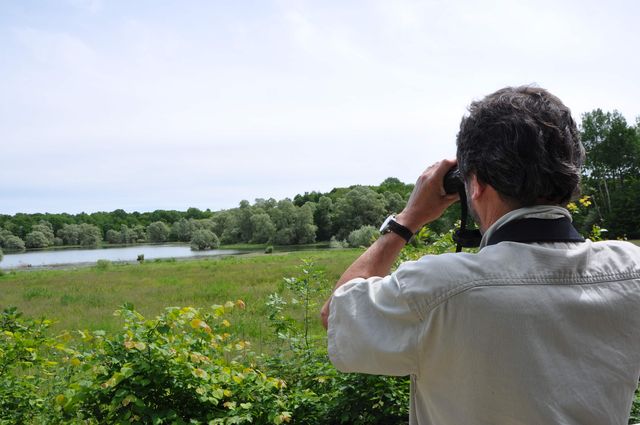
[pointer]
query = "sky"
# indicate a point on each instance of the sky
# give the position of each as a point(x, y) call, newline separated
point(146, 105)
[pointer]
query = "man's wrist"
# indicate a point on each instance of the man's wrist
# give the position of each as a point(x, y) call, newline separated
point(407, 221)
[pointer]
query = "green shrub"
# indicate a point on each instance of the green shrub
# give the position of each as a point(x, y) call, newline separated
point(364, 236)
point(269, 249)
point(27, 361)
point(204, 239)
point(181, 367)
point(336, 244)
point(323, 395)
point(103, 264)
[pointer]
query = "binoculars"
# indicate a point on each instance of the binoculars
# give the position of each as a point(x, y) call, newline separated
point(453, 182)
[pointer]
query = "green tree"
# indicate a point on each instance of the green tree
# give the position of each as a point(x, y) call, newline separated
point(4, 234)
point(204, 223)
point(300, 200)
point(13, 243)
point(227, 224)
point(127, 234)
point(195, 213)
point(140, 233)
point(10, 242)
point(113, 236)
point(394, 185)
point(304, 229)
point(612, 146)
point(394, 203)
point(181, 230)
point(46, 229)
point(70, 234)
point(284, 217)
point(89, 235)
point(360, 206)
point(204, 239)
point(158, 231)
point(244, 220)
point(322, 218)
point(166, 216)
point(36, 239)
point(611, 171)
point(263, 229)
point(265, 204)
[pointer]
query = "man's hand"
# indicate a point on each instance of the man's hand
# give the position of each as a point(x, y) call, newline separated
point(428, 200)
point(426, 203)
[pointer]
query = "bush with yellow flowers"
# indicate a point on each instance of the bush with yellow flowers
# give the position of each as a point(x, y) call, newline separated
point(184, 366)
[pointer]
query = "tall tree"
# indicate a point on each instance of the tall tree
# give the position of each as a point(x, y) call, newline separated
point(90, 235)
point(612, 146)
point(263, 228)
point(322, 218)
point(359, 206)
point(181, 230)
point(46, 229)
point(158, 231)
point(612, 169)
point(304, 229)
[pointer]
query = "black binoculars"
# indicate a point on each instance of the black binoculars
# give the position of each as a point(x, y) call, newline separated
point(463, 237)
point(453, 182)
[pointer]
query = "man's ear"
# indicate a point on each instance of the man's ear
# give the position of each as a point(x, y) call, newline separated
point(476, 187)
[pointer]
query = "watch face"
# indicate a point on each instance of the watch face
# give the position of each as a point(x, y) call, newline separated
point(385, 224)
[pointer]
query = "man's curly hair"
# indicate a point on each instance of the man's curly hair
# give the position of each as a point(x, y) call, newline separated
point(523, 142)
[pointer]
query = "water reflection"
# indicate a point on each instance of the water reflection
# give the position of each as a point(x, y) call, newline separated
point(79, 256)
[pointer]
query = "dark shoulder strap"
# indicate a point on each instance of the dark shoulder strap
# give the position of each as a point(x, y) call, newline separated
point(536, 230)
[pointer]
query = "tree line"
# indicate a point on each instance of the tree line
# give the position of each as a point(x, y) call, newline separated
point(611, 179)
point(307, 218)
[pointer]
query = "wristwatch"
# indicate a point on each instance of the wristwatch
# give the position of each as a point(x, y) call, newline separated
point(391, 225)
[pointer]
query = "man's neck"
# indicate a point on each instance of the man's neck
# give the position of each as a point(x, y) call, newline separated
point(492, 213)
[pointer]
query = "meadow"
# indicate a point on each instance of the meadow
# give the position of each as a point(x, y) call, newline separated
point(85, 298)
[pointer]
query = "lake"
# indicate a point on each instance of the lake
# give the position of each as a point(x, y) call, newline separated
point(60, 257)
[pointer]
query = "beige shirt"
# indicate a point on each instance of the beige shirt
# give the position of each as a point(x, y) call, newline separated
point(515, 334)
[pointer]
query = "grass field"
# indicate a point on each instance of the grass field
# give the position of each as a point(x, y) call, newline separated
point(85, 298)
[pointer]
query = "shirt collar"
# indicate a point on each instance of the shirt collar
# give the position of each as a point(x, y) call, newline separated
point(548, 212)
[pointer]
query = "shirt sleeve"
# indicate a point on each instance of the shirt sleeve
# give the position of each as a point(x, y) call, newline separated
point(372, 329)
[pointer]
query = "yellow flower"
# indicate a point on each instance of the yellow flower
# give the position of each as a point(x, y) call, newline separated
point(572, 207)
point(585, 201)
point(200, 324)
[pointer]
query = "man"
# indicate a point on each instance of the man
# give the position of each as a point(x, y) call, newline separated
point(539, 327)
